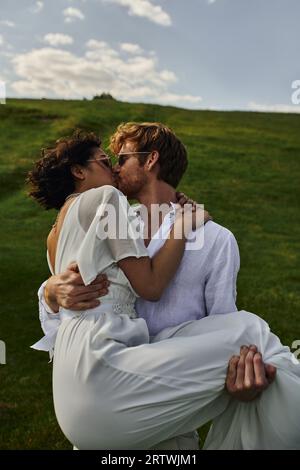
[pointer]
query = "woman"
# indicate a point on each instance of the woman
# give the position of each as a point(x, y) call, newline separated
point(112, 388)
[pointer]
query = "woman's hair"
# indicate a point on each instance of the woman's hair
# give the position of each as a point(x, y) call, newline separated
point(149, 136)
point(51, 179)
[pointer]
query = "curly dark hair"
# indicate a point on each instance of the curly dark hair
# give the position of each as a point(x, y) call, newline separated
point(51, 179)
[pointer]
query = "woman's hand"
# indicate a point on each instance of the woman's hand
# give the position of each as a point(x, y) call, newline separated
point(190, 217)
point(183, 200)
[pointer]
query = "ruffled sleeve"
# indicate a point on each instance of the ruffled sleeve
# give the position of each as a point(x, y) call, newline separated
point(113, 232)
point(50, 323)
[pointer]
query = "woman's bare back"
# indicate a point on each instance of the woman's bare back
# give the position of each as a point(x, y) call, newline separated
point(55, 231)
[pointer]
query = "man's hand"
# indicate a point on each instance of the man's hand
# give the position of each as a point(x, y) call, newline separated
point(67, 290)
point(247, 375)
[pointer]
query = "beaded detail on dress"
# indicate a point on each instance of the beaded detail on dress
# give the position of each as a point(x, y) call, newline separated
point(127, 308)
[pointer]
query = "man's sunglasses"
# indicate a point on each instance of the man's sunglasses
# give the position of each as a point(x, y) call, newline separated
point(122, 157)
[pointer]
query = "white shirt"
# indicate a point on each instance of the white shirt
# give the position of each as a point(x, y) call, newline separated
point(205, 283)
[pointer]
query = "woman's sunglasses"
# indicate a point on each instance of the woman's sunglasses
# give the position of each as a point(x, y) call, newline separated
point(122, 157)
point(106, 161)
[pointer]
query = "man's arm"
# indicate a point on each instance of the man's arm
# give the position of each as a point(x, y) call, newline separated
point(67, 290)
point(224, 264)
point(47, 316)
point(50, 322)
point(247, 375)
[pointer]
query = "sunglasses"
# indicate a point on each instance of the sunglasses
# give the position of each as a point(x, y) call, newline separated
point(106, 161)
point(122, 157)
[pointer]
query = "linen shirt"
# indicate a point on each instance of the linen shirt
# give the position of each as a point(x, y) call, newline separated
point(204, 284)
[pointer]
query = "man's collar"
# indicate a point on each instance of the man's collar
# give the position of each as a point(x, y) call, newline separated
point(136, 208)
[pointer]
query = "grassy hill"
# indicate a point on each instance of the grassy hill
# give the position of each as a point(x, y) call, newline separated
point(243, 166)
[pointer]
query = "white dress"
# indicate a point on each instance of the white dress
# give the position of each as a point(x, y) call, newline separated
point(113, 389)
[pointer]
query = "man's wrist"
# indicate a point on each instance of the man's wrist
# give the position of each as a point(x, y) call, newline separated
point(51, 299)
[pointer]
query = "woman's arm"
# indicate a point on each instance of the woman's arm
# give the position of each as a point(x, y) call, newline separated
point(149, 277)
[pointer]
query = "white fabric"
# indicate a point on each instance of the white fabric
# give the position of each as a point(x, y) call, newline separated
point(188, 441)
point(90, 252)
point(210, 274)
point(113, 389)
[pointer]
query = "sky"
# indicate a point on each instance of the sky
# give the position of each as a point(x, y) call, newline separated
point(197, 54)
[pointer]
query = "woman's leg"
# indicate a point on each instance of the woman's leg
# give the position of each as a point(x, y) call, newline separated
point(193, 358)
point(137, 396)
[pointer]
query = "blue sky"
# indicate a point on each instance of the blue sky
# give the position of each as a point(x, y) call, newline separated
point(215, 54)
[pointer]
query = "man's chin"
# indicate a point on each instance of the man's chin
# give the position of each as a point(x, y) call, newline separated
point(120, 187)
point(116, 183)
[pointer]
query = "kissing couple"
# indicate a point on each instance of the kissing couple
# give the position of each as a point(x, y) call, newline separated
point(146, 339)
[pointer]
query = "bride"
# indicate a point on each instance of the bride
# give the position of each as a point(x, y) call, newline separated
point(112, 388)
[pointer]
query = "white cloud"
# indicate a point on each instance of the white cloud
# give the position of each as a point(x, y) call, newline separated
point(9, 24)
point(38, 6)
point(146, 9)
point(273, 108)
point(131, 48)
point(95, 44)
point(60, 73)
point(100, 50)
point(211, 1)
point(71, 14)
point(1, 40)
point(57, 39)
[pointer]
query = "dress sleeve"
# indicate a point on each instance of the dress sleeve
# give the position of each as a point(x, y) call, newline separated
point(113, 231)
point(50, 323)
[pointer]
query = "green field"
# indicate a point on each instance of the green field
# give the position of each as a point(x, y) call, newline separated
point(243, 166)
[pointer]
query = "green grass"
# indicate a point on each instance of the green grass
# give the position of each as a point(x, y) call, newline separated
point(243, 166)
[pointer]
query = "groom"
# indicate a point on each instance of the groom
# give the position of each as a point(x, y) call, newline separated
point(151, 163)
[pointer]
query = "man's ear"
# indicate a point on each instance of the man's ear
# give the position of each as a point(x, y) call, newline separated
point(152, 160)
point(78, 172)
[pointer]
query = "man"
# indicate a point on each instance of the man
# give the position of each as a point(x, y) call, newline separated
point(151, 163)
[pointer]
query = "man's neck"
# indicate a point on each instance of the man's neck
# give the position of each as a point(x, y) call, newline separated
point(157, 193)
